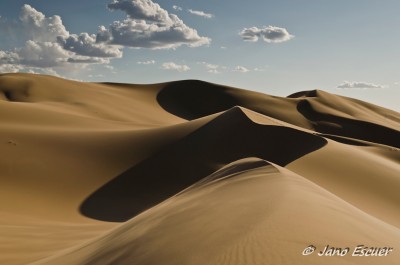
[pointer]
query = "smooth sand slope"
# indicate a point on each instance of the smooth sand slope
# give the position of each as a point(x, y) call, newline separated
point(190, 172)
point(261, 214)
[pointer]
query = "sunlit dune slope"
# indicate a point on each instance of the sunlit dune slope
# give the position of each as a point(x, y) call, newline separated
point(251, 212)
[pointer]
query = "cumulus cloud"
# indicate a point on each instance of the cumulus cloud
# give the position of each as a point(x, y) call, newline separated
point(269, 34)
point(147, 62)
point(241, 69)
point(200, 13)
point(42, 54)
point(10, 68)
point(141, 10)
point(178, 8)
point(140, 34)
point(149, 26)
point(49, 45)
point(176, 67)
point(8, 57)
point(85, 44)
point(38, 27)
point(358, 85)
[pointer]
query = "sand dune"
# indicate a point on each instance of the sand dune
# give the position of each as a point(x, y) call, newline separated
point(262, 214)
point(190, 172)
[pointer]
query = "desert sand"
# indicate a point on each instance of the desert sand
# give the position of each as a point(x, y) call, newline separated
point(190, 172)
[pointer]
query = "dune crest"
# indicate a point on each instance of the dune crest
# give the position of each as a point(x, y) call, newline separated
point(190, 172)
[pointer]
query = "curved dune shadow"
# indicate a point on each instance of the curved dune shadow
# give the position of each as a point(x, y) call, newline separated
point(193, 99)
point(362, 130)
point(228, 137)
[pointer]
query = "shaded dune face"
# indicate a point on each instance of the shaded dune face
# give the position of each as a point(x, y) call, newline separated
point(15, 91)
point(331, 124)
point(229, 137)
point(193, 99)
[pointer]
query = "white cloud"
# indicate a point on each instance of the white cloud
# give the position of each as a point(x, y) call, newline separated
point(48, 71)
point(200, 13)
point(42, 54)
point(149, 26)
point(88, 60)
point(269, 34)
point(147, 62)
point(10, 68)
point(109, 67)
point(141, 10)
point(94, 76)
point(139, 34)
point(176, 67)
point(86, 45)
point(49, 45)
point(8, 57)
point(212, 68)
point(241, 69)
point(178, 8)
point(38, 27)
point(358, 85)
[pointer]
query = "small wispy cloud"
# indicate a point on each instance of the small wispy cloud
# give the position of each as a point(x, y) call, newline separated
point(241, 69)
point(270, 34)
point(147, 62)
point(176, 67)
point(177, 8)
point(358, 85)
point(94, 76)
point(213, 68)
point(109, 67)
point(200, 13)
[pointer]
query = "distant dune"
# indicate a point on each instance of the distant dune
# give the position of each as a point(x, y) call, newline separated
point(190, 172)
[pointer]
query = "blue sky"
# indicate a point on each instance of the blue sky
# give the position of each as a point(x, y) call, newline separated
point(347, 47)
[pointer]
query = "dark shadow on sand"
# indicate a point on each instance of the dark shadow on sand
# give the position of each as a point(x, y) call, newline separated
point(229, 137)
point(193, 99)
point(334, 125)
